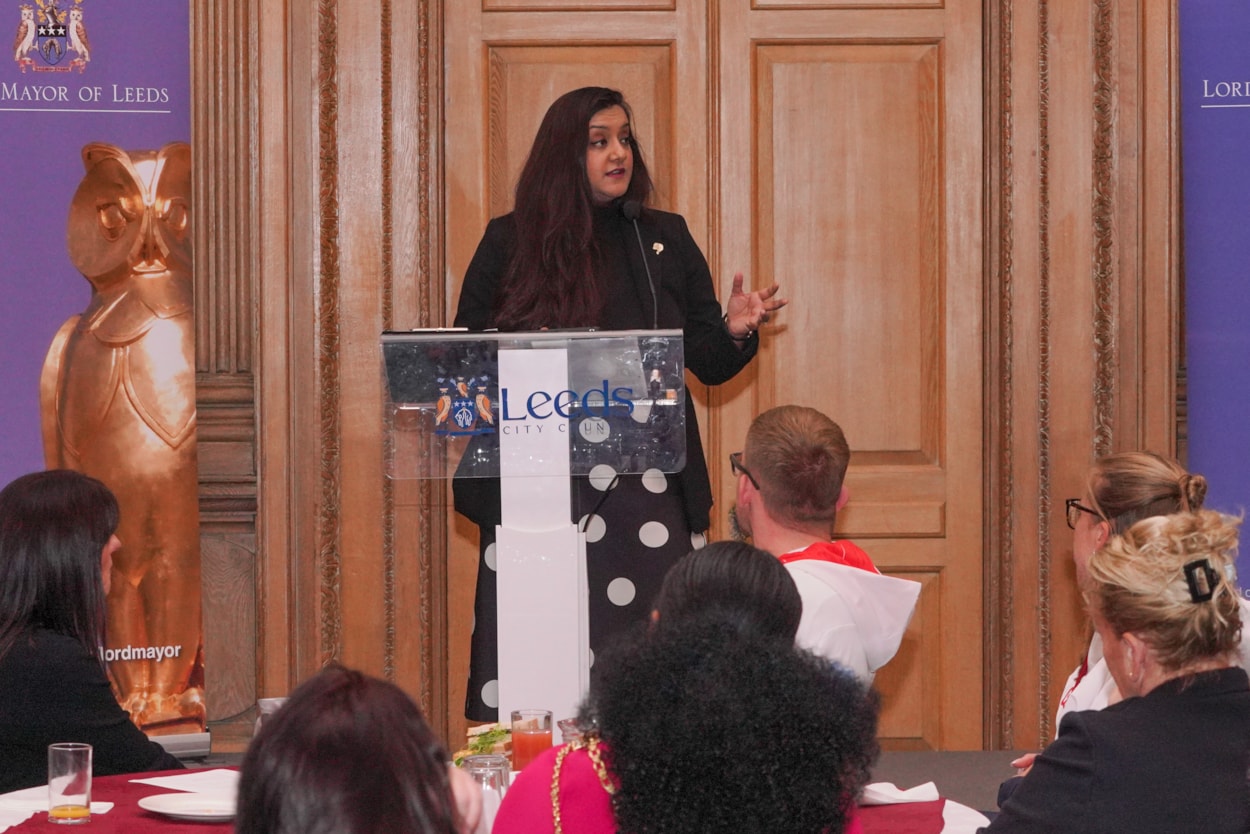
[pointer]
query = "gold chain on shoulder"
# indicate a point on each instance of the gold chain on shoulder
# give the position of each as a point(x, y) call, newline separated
point(591, 745)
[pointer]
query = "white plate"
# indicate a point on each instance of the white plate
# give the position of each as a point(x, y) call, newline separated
point(190, 806)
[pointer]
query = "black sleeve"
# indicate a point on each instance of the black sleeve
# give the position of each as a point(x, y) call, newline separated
point(711, 353)
point(485, 272)
point(66, 696)
point(477, 499)
point(1055, 795)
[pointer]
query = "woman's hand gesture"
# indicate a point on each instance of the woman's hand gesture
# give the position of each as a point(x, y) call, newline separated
point(745, 312)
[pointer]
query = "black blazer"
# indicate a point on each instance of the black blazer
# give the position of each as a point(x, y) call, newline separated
point(1174, 760)
point(685, 300)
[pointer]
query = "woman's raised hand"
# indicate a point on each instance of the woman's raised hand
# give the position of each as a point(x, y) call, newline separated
point(745, 312)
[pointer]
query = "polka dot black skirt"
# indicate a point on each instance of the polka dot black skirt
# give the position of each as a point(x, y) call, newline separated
point(635, 528)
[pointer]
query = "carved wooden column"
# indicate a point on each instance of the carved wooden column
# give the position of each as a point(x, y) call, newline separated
point(1082, 341)
point(317, 196)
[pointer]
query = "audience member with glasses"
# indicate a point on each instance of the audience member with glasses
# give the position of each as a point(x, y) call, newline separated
point(1171, 753)
point(789, 491)
point(1121, 489)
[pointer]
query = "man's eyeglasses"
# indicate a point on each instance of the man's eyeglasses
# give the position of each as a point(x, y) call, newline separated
point(735, 463)
point(1074, 509)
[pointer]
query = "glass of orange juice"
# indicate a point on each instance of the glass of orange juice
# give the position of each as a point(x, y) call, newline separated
point(531, 735)
point(69, 783)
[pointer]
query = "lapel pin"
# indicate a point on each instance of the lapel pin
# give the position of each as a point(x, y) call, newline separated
point(657, 248)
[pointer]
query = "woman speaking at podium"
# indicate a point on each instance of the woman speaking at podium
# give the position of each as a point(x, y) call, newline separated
point(583, 249)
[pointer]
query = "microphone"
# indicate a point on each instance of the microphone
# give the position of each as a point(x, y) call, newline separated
point(632, 209)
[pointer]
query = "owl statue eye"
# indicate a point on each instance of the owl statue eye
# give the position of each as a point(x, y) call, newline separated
point(175, 215)
point(113, 220)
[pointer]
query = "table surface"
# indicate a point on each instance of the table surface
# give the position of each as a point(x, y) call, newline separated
point(126, 817)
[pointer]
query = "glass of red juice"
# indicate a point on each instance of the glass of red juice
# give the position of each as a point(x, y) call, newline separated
point(531, 735)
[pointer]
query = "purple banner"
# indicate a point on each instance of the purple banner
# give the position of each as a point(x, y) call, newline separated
point(1215, 124)
point(113, 77)
point(116, 72)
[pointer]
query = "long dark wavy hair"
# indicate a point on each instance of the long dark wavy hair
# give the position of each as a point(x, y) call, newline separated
point(552, 279)
point(346, 754)
point(54, 526)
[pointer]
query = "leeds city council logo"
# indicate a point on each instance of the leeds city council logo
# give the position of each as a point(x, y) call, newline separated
point(459, 412)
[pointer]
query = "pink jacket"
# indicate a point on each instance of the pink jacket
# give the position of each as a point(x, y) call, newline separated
point(585, 807)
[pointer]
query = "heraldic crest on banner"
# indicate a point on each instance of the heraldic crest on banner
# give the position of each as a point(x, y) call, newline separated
point(50, 34)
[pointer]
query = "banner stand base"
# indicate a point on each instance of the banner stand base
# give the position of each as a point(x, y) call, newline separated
point(186, 745)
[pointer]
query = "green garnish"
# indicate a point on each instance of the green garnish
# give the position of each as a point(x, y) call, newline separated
point(484, 742)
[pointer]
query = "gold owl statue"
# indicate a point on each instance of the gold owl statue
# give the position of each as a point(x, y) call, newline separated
point(117, 397)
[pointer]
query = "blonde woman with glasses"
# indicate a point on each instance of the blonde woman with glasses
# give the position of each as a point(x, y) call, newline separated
point(1172, 753)
point(1122, 489)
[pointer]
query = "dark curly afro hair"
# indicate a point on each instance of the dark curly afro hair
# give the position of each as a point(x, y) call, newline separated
point(710, 729)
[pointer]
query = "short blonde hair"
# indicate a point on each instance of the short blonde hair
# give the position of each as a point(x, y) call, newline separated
point(1144, 581)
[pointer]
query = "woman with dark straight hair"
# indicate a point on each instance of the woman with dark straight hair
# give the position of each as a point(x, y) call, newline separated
point(56, 548)
point(735, 582)
point(351, 754)
point(583, 248)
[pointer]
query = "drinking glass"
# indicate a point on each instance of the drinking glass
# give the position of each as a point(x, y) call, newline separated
point(492, 773)
point(570, 730)
point(531, 735)
point(265, 708)
point(69, 783)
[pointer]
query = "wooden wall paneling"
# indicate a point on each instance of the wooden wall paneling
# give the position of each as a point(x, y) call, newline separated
point(1142, 130)
point(350, 331)
point(288, 170)
point(908, 719)
point(1010, 258)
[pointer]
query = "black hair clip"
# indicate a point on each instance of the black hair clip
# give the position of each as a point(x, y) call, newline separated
point(1202, 580)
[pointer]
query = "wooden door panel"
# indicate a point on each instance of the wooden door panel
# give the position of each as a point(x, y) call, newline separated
point(910, 715)
point(849, 201)
point(525, 79)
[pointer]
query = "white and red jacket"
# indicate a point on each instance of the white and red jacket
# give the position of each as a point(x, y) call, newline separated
point(852, 613)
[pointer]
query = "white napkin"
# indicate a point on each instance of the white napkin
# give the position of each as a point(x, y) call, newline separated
point(217, 782)
point(885, 793)
point(21, 804)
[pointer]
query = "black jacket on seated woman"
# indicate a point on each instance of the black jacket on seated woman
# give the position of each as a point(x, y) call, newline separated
point(56, 545)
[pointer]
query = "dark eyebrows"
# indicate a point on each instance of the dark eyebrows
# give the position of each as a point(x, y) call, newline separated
point(625, 126)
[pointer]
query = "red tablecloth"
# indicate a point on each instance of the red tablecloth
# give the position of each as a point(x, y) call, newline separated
point(905, 818)
point(126, 817)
